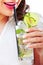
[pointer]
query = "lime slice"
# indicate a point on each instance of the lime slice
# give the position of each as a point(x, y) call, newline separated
point(27, 21)
point(31, 19)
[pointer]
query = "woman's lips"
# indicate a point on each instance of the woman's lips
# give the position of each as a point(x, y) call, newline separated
point(10, 5)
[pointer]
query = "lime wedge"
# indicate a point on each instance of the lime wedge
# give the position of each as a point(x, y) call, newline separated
point(31, 19)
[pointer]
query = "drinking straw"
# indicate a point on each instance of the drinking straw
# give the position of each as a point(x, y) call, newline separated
point(15, 15)
point(16, 20)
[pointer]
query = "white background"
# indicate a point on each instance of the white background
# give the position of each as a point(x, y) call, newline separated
point(36, 6)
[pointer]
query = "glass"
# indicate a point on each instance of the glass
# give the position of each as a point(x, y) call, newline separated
point(25, 55)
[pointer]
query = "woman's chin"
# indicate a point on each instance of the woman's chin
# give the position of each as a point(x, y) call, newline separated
point(9, 14)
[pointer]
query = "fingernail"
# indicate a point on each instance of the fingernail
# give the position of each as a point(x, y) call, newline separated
point(24, 41)
point(24, 36)
point(26, 30)
point(28, 45)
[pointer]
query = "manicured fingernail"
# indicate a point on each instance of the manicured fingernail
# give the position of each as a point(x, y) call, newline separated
point(26, 30)
point(28, 45)
point(24, 36)
point(24, 41)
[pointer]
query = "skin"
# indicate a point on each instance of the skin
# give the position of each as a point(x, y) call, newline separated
point(5, 12)
point(34, 38)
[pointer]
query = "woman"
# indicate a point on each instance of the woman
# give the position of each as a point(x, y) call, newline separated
point(8, 50)
point(7, 31)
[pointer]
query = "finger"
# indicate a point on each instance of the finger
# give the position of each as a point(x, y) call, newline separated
point(33, 40)
point(33, 34)
point(32, 29)
point(38, 45)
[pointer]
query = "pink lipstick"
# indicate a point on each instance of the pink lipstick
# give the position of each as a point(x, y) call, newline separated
point(10, 5)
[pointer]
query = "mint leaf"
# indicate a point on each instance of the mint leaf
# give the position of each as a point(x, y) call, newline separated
point(18, 31)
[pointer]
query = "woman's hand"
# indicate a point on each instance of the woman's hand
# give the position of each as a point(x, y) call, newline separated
point(33, 38)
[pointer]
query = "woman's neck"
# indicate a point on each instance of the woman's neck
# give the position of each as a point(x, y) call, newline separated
point(3, 19)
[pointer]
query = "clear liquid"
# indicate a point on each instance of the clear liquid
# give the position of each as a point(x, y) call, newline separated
point(25, 55)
